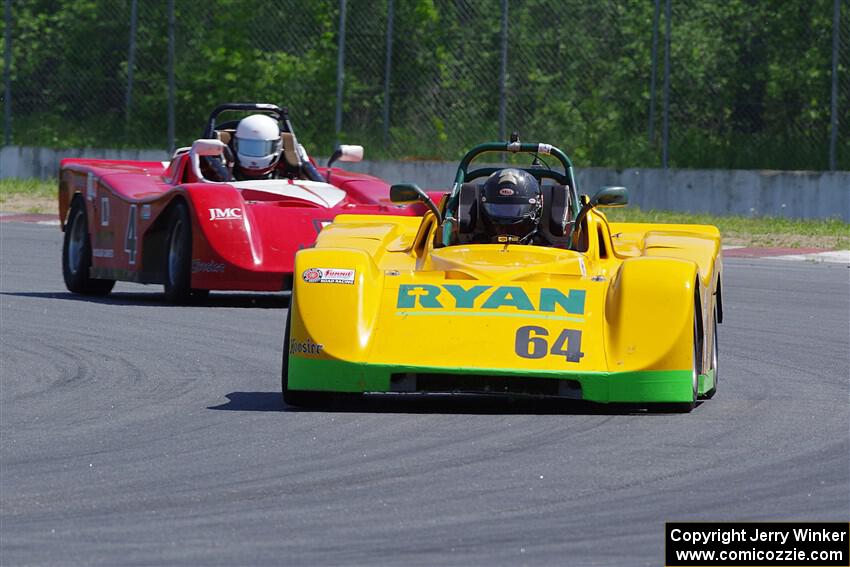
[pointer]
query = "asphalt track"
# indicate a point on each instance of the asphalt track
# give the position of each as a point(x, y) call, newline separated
point(133, 432)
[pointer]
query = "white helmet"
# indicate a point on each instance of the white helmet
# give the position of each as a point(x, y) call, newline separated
point(257, 144)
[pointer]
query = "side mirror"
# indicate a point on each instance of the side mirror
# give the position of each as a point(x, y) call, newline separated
point(610, 197)
point(605, 197)
point(346, 153)
point(205, 148)
point(404, 193)
point(351, 153)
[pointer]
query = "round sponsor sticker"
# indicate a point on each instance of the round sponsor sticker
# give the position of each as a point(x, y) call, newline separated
point(311, 275)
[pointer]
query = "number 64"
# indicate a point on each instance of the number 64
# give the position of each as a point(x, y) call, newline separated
point(531, 342)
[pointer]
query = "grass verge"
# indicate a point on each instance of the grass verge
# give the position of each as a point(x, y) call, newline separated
point(829, 234)
point(28, 196)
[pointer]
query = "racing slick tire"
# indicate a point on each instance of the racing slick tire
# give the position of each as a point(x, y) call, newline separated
point(178, 258)
point(76, 255)
point(714, 357)
point(687, 407)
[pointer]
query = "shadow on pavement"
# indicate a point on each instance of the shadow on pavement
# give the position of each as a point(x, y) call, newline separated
point(252, 401)
point(433, 403)
point(265, 301)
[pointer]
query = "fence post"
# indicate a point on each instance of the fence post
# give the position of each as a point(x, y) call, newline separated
point(131, 60)
point(387, 73)
point(503, 71)
point(340, 70)
point(833, 135)
point(7, 74)
point(653, 66)
point(665, 150)
point(171, 89)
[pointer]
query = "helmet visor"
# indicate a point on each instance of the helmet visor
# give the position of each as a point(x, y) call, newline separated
point(509, 213)
point(257, 148)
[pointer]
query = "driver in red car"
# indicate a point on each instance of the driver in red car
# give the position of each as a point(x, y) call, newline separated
point(258, 147)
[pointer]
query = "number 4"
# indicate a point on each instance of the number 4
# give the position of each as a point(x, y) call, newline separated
point(572, 339)
point(130, 240)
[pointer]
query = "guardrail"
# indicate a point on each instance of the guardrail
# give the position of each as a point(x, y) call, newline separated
point(791, 194)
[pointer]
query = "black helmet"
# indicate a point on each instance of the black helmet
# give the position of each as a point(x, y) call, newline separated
point(511, 204)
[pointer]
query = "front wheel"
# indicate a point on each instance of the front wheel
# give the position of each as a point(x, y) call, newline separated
point(714, 357)
point(687, 407)
point(178, 258)
point(76, 255)
point(297, 397)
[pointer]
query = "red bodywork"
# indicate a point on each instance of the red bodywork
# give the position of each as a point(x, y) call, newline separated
point(244, 236)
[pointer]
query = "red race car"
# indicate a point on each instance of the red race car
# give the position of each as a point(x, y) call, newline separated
point(227, 213)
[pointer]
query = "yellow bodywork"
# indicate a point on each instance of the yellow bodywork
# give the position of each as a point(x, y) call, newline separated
point(624, 308)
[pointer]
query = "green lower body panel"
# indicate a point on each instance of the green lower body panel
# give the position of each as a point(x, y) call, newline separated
point(639, 386)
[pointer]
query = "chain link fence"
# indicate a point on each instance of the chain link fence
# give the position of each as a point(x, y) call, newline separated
point(625, 83)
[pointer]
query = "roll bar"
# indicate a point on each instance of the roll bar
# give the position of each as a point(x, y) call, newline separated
point(281, 114)
point(566, 178)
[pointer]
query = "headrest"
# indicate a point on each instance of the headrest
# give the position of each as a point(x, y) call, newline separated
point(224, 136)
point(290, 149)
point(556, 198)
point(467, 207)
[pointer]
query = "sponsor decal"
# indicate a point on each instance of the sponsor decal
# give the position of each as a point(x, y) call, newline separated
point(328, 275)
point(207, 267)
point(231, 213)
point(146, 212)
point(305, 347)
point(312, 275)
point(485, 297)
point(506, 191)
point(102, 253)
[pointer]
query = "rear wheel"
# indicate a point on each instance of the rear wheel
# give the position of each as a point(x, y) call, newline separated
point(178, 259)
point(76, 255)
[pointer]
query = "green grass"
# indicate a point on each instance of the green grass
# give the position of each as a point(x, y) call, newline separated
point(30, 187)
point(754, 231)
point(28, 196)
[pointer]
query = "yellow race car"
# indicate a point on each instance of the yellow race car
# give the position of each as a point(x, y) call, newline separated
point(515, 284)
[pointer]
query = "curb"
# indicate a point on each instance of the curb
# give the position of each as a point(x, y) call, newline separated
point(795, 254)
point(32, 218)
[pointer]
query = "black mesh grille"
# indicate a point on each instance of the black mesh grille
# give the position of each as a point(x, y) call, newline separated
point(484, 384)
